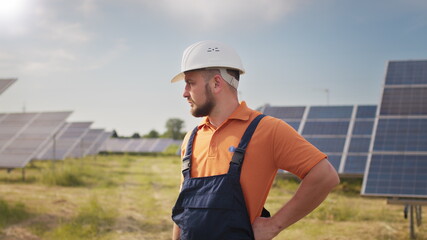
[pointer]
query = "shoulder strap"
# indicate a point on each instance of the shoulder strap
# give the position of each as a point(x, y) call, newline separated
point(239, 153)
point(186, 161)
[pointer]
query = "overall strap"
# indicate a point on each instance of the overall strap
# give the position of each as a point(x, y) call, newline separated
point(186, 161)
point(239, 153)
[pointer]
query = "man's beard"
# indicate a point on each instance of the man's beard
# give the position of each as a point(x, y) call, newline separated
point(206, 108)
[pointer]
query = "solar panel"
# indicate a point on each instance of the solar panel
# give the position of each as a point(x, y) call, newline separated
point(355, 164)
point(114, 145)
point(147, 145)
point(285, 112)
point(397, 135)
point(404, 101)
point(295, 125)
point(138, 145)
point(366, 112)
point(397, 165)
point(162, 144)
point(99, 142)
point(335, 160)
point(133, 144)
point(406, 72)
point(363, 127)
point(342, 132)
point(2, 116)
point(64, 141)
point(29, 133)
point(326, 128)
point(6, 83)
point(328, 144)
point(400, 175)
point(11, 125)
point(359, 144)
point(52, 142)
point(86, 143)
point(330, 112)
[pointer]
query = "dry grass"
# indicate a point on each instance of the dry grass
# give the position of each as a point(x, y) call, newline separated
point(130, 197)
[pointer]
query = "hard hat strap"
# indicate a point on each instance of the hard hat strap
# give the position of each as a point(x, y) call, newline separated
point(228, 78)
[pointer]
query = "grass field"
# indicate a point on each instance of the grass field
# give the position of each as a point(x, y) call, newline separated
point(130, 197)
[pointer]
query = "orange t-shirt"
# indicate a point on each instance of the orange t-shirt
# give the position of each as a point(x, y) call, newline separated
point(274, 145)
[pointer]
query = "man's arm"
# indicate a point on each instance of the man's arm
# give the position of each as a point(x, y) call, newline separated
point(175, 232)
point(313, 189)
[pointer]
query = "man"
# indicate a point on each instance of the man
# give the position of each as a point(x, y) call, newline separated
point(231, 159)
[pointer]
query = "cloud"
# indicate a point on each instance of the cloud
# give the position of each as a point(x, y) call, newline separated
point(57, 40)
point(111, 55)
point(88, 7)
point(64, 60)
point(67, 32)
point(222, 14)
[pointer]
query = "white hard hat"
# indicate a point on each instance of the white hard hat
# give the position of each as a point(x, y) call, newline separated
point(210, 54)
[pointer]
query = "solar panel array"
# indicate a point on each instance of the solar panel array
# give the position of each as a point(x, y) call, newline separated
point(87, 143)
point(397, 165)
point(25, 134)
point(342, 132)
point(5, 84)
point(138, 145)
point(45, 136)
point(64, 141)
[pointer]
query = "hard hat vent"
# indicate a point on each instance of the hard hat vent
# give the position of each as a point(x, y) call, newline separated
point(213, 49)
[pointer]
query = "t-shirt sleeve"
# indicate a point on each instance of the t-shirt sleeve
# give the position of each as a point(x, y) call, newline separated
point(292, 152)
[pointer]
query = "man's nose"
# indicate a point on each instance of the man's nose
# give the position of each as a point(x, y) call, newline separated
point(186, 94)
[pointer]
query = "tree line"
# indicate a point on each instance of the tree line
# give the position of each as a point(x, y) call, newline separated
point(173, 130)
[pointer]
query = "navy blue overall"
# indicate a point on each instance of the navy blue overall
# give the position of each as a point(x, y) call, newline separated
point(214, 207)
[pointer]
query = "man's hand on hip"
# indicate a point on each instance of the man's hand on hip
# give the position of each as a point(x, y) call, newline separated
point(265, 228)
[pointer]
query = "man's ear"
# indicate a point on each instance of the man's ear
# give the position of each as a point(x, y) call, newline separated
point(218, 83)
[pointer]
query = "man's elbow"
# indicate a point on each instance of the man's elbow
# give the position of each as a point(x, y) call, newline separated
point(323, 175)
point(327, 174)
point(333, 178)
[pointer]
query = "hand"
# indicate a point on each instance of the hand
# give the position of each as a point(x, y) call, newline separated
point(265, 228)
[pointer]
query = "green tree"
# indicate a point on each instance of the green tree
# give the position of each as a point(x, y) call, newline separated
point(173, 128)
point(115, 135)
point(152, 134)
point(136, 135)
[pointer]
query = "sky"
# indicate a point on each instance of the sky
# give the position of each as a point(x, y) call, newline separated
point(111, 61)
